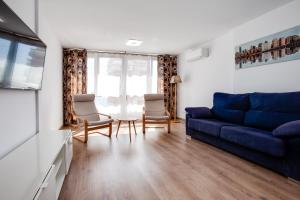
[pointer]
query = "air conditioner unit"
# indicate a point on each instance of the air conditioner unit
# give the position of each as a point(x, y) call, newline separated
point(196, 54)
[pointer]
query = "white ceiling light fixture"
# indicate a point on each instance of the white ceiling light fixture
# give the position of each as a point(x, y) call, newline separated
point(2, 20)
point(134, 42)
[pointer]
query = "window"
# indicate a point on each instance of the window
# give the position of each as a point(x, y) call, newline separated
point(120, 81)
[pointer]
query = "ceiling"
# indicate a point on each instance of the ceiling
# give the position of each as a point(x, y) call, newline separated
point(164, 26)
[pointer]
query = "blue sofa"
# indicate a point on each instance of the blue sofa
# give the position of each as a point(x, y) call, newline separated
point(261, 127)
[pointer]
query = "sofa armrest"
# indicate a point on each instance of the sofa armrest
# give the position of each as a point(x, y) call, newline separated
point(292, 158)
point(187, 117)
point(288, 130)
point(199, 112)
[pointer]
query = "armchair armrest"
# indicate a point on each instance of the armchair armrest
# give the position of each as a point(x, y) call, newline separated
point(168, 113)
point(199, 112)
point(108, 116)
point(79, 116)
point(288, 130)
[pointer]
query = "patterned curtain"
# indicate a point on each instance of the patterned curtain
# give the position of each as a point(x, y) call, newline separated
point(74, 79)
point(167, 67)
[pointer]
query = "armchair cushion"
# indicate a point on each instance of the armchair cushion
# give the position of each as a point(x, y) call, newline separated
point(199, 112)
point(83, 97)
point(164, 117)
point(154, 105)
point(100, 122)
point(153, 97)
point(288, 130)
point(83, 104)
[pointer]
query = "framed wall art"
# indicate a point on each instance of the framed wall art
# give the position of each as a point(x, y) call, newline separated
point(279, 47)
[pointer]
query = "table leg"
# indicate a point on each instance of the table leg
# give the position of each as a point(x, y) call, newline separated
point(118, 128)
point(134, 126)
point(129, 131)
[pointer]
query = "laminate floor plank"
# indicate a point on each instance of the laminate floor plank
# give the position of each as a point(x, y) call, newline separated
point(163, 166)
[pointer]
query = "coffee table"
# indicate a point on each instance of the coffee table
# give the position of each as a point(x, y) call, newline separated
point(127, 119)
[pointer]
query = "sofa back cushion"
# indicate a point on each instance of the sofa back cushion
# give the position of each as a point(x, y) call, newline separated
point(270, 110)
point(230, 107)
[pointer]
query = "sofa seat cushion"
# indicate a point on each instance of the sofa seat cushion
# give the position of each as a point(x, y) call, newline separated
point(208, 126)
point(255, 139)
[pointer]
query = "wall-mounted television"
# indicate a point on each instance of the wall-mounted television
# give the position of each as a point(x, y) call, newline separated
point(22, 53)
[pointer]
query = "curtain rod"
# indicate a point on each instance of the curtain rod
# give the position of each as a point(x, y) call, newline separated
point(119, 52)
point(122, 52)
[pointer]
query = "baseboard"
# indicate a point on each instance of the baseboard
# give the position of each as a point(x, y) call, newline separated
point(180, 119)
point(294, 180)
point(72, 127)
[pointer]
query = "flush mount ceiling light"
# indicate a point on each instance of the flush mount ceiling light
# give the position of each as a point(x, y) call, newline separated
point(2, 20)
point(133, 42)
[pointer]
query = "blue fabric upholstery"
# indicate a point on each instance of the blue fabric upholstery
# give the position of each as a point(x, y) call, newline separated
point(270, 110)
point(276, 102)
point(255, 139)
point(288, 130)
point(199, 112)
point(268, 120)
point(278, 150)
point(208, 126)
point(228, 115)
point(292, 159)
point(230, 107)
point(274, 163)
point(231, 101)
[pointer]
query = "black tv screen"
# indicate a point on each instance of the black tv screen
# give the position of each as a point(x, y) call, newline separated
point(22, 53)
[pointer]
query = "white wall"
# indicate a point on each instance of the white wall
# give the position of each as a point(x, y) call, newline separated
point(279, 77)
point(203, 77)
point(18, 113)
point(217, 72)
point(50, 97)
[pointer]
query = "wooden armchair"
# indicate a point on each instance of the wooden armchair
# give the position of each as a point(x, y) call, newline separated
point(88, 117)
point(154, 111)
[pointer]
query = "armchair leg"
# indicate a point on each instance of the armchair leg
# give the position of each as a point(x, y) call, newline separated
point(144, 128)
point(169, 126)
point(144, 121)
point(85, 132)
point(110, 130)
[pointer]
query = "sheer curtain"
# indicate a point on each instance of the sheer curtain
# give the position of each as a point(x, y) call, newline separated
point(119, 81)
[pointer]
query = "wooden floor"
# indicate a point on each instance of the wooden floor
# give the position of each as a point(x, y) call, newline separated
point(166, 166)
